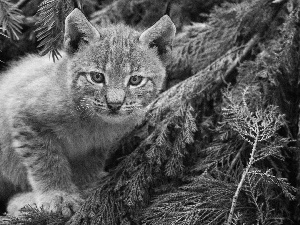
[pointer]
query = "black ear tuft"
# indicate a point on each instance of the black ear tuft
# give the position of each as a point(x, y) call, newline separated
point(78, 31)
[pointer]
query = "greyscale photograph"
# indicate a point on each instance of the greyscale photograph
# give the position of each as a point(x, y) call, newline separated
point(149, 112)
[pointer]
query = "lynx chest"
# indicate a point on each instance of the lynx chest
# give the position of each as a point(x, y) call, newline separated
point(79, 140)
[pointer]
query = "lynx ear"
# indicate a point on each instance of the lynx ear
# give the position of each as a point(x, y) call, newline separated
point(78, 31)
point(160, 35)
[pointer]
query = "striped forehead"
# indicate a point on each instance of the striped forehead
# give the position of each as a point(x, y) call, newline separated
point(117, 53)
point(119, 48)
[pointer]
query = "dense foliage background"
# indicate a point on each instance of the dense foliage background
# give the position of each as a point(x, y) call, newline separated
point(221, 144)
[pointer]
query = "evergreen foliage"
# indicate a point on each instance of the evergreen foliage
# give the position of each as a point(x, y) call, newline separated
point(10, 21)
point(35, 216)
point(254, 127)
point(219, 147)
point(52, 15)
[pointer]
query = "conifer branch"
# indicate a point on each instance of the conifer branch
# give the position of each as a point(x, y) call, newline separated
point(168, 129)
point(21, 3)
point(205, 82)
point(50, 26)
point(148, 158)
point(237, 156)
point(254, 127)
point(10, 22)
point(241, 183)
point(110, 14)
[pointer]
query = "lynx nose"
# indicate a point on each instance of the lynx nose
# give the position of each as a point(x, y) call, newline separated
point(114, 98)
point(114, 106)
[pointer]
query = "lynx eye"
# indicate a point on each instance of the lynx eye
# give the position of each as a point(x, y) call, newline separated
point(135, 80)
point(97, 77)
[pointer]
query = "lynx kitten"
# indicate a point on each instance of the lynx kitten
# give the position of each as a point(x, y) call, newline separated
point(59, 121)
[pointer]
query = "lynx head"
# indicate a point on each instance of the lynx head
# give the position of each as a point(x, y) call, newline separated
point(115, 71)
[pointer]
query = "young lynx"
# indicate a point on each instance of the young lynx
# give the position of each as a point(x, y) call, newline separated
point(60, 121)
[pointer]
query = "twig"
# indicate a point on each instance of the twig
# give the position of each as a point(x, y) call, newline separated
point(240, 185)
point(21, 3)
point(237, 156)
point(27, 20)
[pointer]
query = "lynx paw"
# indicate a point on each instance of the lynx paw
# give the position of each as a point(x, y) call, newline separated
point(59, 201)
point(17, 202)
